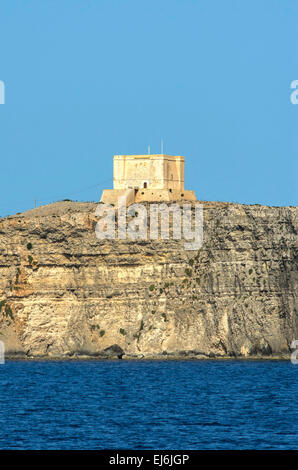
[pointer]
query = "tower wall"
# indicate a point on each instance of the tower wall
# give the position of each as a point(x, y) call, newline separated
point(148, 171)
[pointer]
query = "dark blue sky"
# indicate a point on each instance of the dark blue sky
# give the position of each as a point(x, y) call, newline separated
point(86, 79)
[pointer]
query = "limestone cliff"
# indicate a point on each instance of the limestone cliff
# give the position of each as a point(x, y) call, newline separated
point(63, 292)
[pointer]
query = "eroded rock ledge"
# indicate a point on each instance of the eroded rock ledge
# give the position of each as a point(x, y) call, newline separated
point(65, 294)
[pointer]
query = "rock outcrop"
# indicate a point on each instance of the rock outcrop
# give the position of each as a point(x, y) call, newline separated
point(64, 293)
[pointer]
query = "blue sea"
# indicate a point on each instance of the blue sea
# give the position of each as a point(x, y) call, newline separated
point(148, 405)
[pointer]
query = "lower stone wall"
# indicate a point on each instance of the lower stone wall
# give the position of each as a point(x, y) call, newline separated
point(161, 195)
point(110, 196)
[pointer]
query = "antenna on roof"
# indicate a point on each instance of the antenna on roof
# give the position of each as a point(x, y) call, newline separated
point(161, 145)
point(148, 149)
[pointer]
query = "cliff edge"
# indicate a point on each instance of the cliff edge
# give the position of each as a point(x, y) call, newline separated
point(64, 293)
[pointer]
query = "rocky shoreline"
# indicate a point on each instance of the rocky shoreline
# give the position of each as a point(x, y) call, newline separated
point(160, 357)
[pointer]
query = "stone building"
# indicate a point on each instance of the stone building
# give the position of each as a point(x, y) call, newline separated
point(150, 178)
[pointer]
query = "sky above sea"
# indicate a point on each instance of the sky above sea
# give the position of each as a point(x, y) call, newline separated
point(85, 80)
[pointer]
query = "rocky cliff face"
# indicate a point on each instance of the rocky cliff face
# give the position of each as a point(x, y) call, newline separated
point(63, 292)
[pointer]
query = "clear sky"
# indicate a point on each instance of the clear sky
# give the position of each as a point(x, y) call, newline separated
point(87, 79)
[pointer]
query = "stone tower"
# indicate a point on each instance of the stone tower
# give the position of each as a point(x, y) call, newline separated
point(148, 178)
point(148, 172)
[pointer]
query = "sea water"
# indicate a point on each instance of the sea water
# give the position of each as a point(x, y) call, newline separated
point(148, 405)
